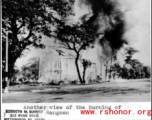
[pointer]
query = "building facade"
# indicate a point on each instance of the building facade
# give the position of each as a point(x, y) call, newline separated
point(57, 66)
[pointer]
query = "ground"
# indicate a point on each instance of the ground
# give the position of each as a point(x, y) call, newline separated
point(114, 91)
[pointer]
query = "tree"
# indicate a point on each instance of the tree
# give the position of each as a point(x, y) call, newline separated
point(86, 64)
point(146, 69)
point(116, 68)
point(26, 20)
point(77, 37)
point(129, 53)
point(131, 72)
point(136, 69)
point(31, 69)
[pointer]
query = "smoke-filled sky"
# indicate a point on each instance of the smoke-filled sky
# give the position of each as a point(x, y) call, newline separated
point(133, 30)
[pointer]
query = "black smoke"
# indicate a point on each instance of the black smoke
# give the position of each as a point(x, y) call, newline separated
point(115, 34)
point(104, 9)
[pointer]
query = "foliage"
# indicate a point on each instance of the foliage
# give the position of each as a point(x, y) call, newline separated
point(31, 69)
point(25, 21)
point(136, 70)
point(129, 53)
point(86, 64)
point(77, 37)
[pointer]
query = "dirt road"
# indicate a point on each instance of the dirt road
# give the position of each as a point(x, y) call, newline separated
point(114, 91)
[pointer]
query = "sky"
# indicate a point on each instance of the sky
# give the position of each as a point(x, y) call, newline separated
point(137, 20)
point(138, 25)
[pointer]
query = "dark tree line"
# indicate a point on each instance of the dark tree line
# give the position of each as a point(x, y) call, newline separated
point(132, 69)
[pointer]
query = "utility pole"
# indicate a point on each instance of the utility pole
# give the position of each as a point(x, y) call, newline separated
point(6, 65)
point(39, 73)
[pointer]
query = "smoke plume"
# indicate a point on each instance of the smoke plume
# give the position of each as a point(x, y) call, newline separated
point(124, 24)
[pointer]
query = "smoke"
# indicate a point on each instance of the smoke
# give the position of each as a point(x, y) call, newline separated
point(124, 22)
point(106, 19)
point(81, 10)
point(100, 9)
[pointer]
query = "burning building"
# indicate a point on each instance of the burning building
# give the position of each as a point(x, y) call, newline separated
point(58, 64)
point(111, 17)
